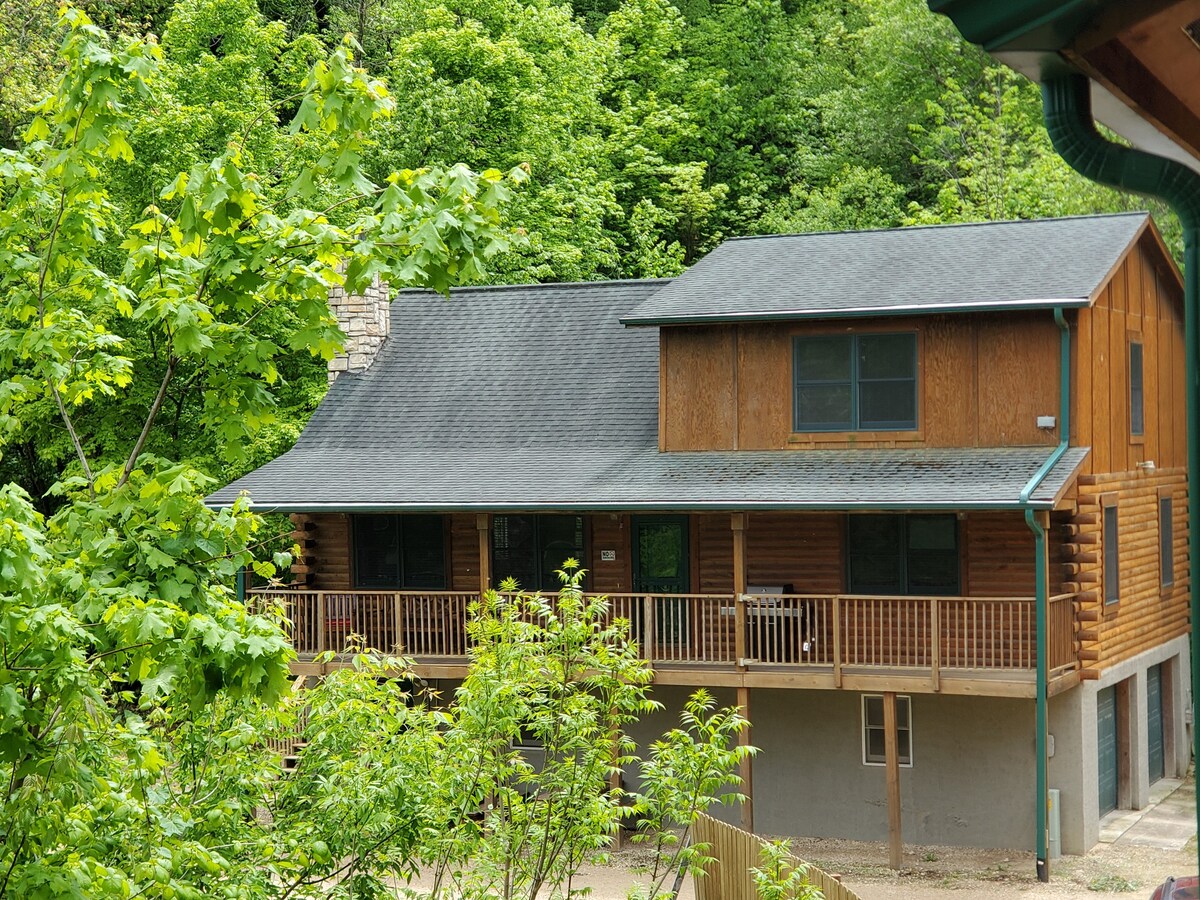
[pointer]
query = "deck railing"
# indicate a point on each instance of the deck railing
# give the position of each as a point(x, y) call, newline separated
point(933, 634)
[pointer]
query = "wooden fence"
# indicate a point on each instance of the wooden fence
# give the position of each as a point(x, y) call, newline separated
point(735, 853)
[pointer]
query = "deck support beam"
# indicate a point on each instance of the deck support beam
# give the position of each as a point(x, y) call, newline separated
point(737, 522)
point(891, 752)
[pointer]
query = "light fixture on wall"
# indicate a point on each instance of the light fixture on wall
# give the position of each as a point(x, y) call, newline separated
point(1147, 465)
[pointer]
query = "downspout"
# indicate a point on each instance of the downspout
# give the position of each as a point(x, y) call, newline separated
point(1068, 114)
point(1041, 591)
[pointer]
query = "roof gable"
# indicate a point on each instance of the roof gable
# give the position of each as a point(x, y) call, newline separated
point(1034, 264)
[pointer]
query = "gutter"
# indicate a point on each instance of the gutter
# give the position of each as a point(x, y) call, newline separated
point(1068, 114)
point(1042, 592)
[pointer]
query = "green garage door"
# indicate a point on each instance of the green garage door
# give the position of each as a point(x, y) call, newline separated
point(1154, 722)
point(1106, 747)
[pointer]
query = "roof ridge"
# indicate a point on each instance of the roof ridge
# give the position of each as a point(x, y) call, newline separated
point(939, 225)
point(497, 288)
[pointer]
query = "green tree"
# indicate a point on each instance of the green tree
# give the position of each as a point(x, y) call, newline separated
point(118, 607)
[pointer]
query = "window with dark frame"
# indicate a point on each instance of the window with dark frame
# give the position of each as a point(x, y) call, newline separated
point(1137, 400)
point(854, 382)
point(1166, 541)
point(896, 555)
point(1112, 570)
point(401, 552)
point(874, 736)
point(533, 548)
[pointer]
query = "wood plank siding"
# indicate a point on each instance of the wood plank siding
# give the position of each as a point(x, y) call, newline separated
point(729, 387)
point(1142, 302)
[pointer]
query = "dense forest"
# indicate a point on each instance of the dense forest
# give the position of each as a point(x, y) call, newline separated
point(181, 183)
point(650, 132)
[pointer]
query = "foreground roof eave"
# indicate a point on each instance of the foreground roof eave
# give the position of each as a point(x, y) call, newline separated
point(656, 505)
point(862, 312)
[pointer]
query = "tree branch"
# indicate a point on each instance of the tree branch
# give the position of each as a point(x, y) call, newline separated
point(172, 361)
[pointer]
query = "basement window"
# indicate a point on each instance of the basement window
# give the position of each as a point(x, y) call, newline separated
point(874, 738)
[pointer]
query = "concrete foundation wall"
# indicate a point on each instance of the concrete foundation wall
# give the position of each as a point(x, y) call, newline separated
point(1073, 768)
point(971, 782)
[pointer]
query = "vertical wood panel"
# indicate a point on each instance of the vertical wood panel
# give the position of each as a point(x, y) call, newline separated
point(1018, 379)
point(1118, 395)
point(698, 371)
point(764, 387)
point(1082, 356)
point(950, 373)
point(1100, 365)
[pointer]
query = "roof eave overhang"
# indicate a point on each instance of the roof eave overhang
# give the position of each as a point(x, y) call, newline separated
point(941, 505)
point(859, 312)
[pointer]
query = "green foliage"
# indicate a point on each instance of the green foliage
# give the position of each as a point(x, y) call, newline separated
point(532, 740)
point(686, 772)
point(779, 877)
point(119, 633)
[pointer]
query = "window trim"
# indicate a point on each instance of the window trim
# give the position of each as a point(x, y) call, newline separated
point(1110, 545)
point(854, 433)
point(902, 725)
point(1136, 435)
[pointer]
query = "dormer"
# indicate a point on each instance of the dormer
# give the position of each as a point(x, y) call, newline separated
point(940, 336)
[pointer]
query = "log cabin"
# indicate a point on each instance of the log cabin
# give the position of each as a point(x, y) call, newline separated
point(887, 490)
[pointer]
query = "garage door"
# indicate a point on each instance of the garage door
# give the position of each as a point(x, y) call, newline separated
point(1106, 747)
point(1154, 722)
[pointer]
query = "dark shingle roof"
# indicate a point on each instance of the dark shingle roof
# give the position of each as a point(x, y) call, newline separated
point(537, 398)
point(989, 265)
point(377, 478)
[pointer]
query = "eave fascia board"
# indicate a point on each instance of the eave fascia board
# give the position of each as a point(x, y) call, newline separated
point(648, 505)
point(859, 312)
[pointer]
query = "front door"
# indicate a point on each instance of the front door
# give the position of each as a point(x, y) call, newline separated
point(660, 566)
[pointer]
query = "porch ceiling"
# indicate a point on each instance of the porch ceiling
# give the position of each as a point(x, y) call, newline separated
point(377, 478)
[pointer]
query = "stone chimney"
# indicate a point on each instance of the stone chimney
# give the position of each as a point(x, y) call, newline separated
point(366, 320)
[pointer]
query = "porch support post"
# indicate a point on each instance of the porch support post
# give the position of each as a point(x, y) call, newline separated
point(483, 524)
point(746, 766)
point(737, 522)
point(891, 753)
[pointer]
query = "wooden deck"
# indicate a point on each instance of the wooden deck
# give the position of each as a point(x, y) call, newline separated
point(967, 645)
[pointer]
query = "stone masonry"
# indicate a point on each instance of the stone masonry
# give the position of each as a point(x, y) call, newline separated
point(366, 320)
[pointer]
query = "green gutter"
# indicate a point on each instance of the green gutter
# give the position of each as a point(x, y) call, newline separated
point(1041, 591)
point(1068, 114)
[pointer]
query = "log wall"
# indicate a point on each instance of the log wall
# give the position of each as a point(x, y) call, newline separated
point(462, 552)
point(325, 539)
point(1147, 613)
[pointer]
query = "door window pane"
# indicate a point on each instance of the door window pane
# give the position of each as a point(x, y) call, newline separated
point(532, 549)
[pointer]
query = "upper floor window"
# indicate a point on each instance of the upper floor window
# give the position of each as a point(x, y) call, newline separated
point(399, 552)
point(1137, 399)
point(855, 382)
point(532, 549)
